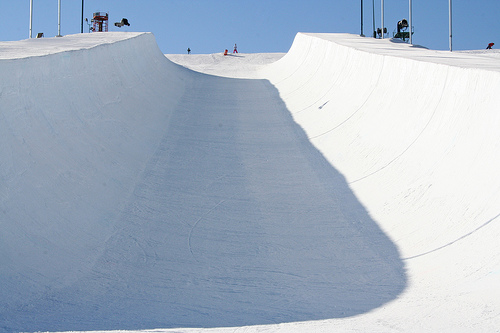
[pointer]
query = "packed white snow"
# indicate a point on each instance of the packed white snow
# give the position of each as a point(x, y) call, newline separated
point(349, 185)
point(240, 65)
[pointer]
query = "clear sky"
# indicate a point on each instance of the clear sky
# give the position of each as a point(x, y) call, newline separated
point(210, 26)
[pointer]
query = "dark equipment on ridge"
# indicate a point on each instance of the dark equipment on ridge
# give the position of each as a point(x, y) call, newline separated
point(379, 31)
point(402, 25)
point(123, 22)
point(402, 33)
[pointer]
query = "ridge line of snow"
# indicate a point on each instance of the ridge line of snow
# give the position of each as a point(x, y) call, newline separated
point(488, 60)
point(38, 47)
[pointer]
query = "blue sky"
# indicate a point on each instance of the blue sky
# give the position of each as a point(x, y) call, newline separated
point(209, 26)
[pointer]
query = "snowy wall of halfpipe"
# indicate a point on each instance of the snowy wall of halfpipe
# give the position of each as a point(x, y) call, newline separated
point(79, 119)
point(415, 132)
point(138, 194)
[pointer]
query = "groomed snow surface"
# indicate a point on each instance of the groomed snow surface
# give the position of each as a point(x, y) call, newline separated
point(350, 185)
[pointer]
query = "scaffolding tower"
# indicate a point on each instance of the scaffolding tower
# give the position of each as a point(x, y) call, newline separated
point(100, 21)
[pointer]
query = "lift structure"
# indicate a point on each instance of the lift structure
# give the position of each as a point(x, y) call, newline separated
point(100, 21)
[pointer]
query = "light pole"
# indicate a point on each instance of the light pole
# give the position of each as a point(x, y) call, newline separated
point(31, 18)
point(362, 35)
point(59, 19)
point(382, 16)
point(451, 44)
point(82, 16)
point(411, 34)
point(374, 32)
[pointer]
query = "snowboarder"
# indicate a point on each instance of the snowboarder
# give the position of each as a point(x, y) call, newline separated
point(235, 49)
point(489, 46)
point(189, 50)
point(123, 22)
point(225, 52)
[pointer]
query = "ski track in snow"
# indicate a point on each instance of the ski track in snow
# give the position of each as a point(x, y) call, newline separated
point(348, 185)
point(196, 223)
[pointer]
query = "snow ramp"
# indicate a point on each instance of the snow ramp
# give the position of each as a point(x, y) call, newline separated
point(351, 184)
point(138, 194)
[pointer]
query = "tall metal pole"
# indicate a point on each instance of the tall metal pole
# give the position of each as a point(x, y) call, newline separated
point(362, 18)
point(59, 20)
point(31, 18)
point(382, 17)
point(82, 17)
point(411, 32)
point(451, 26)
point(374, 32)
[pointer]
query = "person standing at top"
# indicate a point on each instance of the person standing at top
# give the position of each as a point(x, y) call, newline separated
point(235, 49)
point(189, 50)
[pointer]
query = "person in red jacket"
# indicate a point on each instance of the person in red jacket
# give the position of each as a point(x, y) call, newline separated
point(489, 46)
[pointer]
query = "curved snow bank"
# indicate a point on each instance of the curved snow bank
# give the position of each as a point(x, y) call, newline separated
point(415, 132)
point(78, 123)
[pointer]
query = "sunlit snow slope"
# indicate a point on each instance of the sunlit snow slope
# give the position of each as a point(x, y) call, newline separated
point(415, 133)
point(352, 182)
